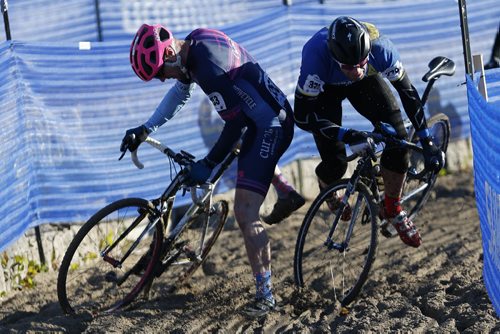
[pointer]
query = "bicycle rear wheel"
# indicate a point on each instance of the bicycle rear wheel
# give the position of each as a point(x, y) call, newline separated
point(110, 259)
point(337, 268)
point(192, 245)
point(419, 182)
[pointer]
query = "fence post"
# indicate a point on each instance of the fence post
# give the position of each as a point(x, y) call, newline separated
point(479, 68)
point(98, 19)
point(462, 7)
point(5, 8)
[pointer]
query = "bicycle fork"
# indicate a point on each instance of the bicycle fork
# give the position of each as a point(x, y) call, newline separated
point(344, 245)
point(362, 168)
point(153, 220)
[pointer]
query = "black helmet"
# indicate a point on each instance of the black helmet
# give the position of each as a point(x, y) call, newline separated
point(348, 40)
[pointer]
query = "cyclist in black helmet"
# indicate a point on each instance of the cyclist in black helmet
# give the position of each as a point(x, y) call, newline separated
point(349, 60)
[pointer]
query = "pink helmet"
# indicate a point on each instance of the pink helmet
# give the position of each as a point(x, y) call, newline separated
point(147, 50)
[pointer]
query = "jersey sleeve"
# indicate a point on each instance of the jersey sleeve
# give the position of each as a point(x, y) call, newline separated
point(171, 104)
point(315, 65)
point(311, 80)
point(386, 59)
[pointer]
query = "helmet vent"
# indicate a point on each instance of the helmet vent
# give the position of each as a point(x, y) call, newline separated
point(149, 42)
point(148, 69)
point(164, 35)
point(152, 57)
point(143, 32)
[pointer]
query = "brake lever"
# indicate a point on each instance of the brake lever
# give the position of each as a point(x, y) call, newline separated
point(126, 149)
point(123, 154)
point(372, 149)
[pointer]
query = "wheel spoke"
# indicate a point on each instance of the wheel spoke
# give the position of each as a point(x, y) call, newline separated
point(88, 281)
point(337, 273)
point(192, 246)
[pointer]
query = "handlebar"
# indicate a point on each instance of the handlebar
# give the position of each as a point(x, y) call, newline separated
point(438, 66)
point(183, 158)
point(391, 139)
point(383, 135)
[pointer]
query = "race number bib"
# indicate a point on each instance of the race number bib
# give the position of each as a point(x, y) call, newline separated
point(313, 85)
point(395, 72)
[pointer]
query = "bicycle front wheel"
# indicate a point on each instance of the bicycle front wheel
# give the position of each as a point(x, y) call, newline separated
point(111, 258)
point(190, 248)
point(419, 182)
point(335, 250)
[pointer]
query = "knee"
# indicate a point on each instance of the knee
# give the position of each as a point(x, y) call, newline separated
point(396, 160)
point(250, 225)
point(245, 214)
point(330, 172)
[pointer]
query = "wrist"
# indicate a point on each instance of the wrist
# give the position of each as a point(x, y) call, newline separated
point(146, 129)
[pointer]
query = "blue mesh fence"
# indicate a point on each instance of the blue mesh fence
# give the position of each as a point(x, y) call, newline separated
point(485, 122)
point(64, 109)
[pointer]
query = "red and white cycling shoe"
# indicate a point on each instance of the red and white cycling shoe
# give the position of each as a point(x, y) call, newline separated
point(407, 231)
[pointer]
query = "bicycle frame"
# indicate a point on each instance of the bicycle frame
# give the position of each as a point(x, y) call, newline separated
point(165, 203)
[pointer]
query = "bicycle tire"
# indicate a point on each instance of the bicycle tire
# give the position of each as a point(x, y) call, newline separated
point(87, 282)
point(181, 258)
point(439, 127)
point(333, 273)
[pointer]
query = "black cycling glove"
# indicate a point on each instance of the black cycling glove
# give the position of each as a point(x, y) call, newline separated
point(353, 137)
point(199, 172)
point(133, 138)
point(434, 157)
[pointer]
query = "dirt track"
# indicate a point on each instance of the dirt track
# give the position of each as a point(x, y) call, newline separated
point(437, 288)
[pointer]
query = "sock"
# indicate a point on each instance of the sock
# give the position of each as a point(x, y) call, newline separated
point(263, 285)
point(281, 185)
point(392, 208)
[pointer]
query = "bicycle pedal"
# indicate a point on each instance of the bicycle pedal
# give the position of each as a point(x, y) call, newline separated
point(387, 230)
point(168, 260)
point(191, 255)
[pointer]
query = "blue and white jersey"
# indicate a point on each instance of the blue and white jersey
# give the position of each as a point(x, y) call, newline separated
point(319, 68)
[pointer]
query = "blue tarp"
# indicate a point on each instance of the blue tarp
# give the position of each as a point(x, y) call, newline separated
point(485, 122)
point(64, 110)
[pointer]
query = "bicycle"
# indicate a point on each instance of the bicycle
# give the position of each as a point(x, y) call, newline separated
point(334, 252)
point(119, 251)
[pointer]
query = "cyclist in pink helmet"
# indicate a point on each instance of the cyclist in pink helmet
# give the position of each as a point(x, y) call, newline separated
point(248, 101)
point(148, 49)
point(147, 53)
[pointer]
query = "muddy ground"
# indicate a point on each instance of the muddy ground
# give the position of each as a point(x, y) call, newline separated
point(437, 288)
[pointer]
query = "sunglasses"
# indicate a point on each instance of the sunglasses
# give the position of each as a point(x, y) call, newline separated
point(353, 67)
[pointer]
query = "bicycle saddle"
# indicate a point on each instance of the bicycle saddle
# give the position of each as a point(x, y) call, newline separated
point(439, 66)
